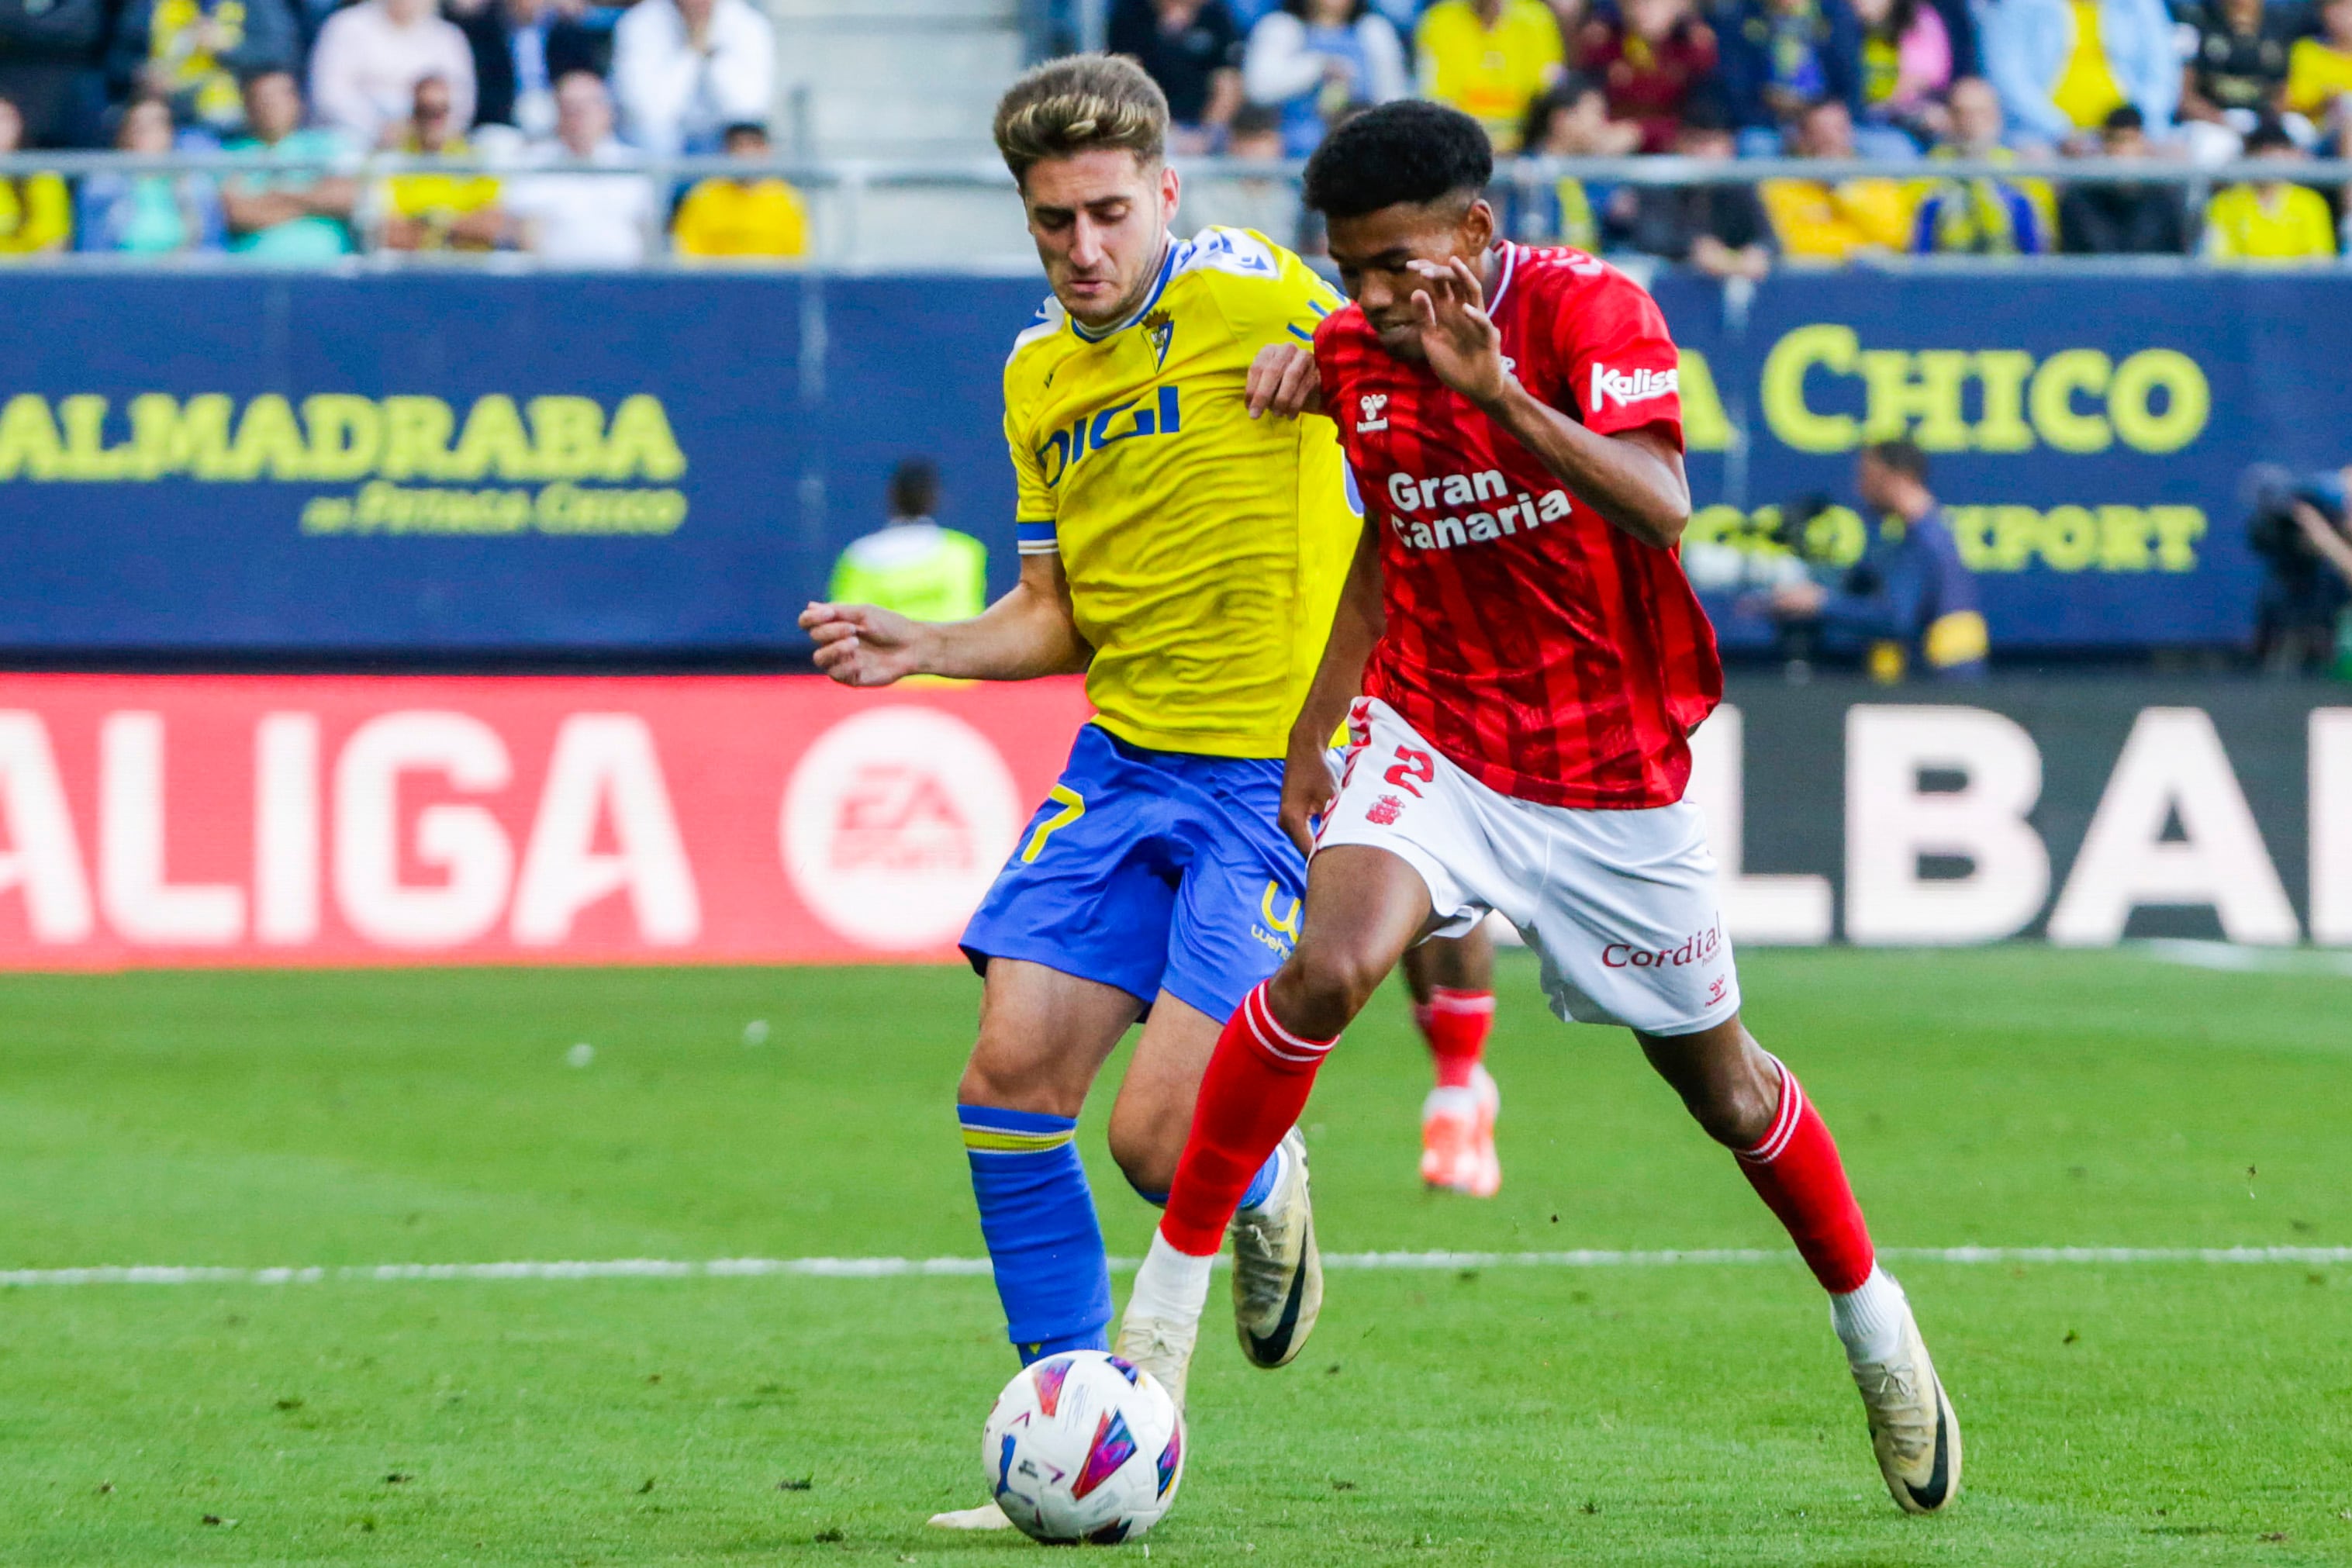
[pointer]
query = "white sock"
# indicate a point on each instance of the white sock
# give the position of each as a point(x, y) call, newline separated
point(1869, 1319)
point(1462, 1102)
point(1171, 1286)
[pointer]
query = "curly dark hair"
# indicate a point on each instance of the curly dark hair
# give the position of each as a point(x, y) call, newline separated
point(1408, 150)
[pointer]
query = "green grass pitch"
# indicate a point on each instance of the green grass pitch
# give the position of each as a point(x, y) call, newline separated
point(1692, 1415)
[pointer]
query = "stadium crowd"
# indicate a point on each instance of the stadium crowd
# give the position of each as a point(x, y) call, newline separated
point(2017, 82)
point(303, 93)
point(289, 84)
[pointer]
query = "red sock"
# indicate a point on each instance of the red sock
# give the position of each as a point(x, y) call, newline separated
point(1455, 1024)
point(1797, 1173)
point(1256, 1085)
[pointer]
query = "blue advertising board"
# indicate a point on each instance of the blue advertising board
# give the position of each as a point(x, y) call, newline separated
point(667, 464)
point(2087, 433)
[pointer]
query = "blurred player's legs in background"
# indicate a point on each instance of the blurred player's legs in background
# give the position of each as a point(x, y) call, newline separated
point(1453, 984)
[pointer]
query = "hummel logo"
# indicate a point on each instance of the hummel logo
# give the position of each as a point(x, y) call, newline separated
point(1639, 387)
point(1373, 404)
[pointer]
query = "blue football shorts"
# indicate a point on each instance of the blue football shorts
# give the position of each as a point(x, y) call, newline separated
point(1149, 872)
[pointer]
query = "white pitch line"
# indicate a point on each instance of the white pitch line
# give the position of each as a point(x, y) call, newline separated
point(895, 1268)
point(2235, 958)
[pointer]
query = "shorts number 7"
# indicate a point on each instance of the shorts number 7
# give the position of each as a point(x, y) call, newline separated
point(1074, 807)
point(1411, 765)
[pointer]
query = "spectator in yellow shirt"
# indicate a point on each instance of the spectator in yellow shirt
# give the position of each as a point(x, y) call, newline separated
point(440, 212)
point(743, 219)
point(2319, 70)
point(1489, 59)
point(2272, 222)
point(1818, 222)
point(36, 213)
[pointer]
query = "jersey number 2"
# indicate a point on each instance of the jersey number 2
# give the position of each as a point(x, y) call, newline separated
point(1411, 765)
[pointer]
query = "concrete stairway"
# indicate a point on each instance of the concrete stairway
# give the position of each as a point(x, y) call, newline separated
point(895, 78)
point(892, 79)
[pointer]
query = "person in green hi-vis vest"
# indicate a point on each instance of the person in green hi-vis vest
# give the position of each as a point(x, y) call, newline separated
point(914, 566)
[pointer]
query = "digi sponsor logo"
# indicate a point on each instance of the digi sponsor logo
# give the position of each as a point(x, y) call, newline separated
point(1162, 414)
point(1697, 948)
point(1623, 387)
point(894, 824)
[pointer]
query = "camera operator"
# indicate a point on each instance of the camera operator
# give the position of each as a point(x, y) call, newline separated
point(2302, 529)
point(1909, 603)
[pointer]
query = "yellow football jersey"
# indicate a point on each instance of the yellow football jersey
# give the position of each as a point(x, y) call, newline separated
point(1204, 549)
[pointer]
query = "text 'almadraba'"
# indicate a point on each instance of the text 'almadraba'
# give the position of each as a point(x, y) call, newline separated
point(334, 437)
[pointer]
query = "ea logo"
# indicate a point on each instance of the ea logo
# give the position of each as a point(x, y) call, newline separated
point(894, 824)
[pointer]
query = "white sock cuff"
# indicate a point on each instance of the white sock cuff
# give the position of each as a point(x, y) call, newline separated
point(1170, 1284)
point(1869, 1319)
point(1449, 999)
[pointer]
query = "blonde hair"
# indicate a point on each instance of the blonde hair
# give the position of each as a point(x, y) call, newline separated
point(1077, 104)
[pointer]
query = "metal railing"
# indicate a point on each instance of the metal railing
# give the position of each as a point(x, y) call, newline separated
point(862, 219)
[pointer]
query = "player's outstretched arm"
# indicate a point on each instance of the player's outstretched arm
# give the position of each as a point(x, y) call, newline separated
point(1633, 478)
point(1028, 633)
point(1283, 382)
point(1356, 626)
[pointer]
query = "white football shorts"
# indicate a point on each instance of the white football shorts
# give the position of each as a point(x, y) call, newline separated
point(1620, 905)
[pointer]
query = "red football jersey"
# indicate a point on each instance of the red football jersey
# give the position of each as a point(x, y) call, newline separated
point(1550, 655)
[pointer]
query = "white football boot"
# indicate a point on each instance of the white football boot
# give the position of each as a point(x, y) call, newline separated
point(1278, 1269)
point(1161, 1346)
point(987, 1516)
point(1912, 1425)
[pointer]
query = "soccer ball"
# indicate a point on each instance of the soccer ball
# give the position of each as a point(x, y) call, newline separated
point(1084, 1448)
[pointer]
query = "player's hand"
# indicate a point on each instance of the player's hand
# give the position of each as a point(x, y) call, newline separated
point(1283, 381)
point(858, 644)
point(1460, 340)
point(1307, 793)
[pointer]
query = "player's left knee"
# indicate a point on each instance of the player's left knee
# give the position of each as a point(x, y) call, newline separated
point(1736, 1107)
point(1145, 1154)
point(1320, 992)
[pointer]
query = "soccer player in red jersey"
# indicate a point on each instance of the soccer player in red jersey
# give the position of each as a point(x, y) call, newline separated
point(1532, 661)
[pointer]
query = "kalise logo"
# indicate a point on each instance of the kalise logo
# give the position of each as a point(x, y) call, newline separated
point(1621, 388)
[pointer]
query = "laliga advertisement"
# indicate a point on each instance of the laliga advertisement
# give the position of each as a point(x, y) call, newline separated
point(207, 820)
point(332, 820)
point(669, 465)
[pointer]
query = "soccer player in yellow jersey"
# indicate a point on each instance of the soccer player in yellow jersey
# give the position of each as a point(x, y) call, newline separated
point(1185, 531)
